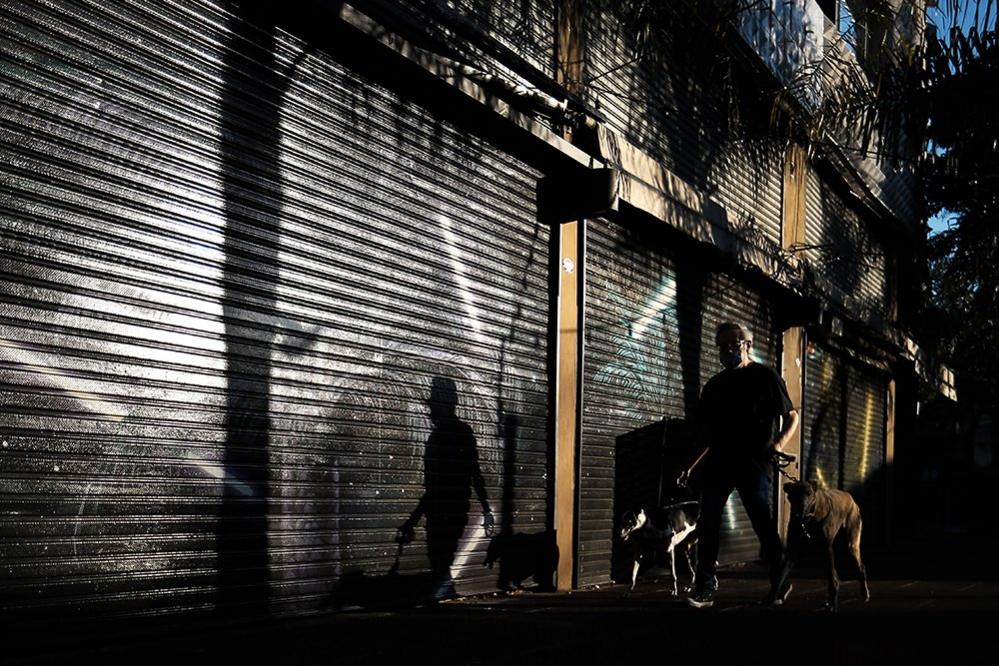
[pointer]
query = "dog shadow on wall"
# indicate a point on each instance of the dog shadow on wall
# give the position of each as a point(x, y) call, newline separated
point(527, 561)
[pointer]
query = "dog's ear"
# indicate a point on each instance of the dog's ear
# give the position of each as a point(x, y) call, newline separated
point(793, 489)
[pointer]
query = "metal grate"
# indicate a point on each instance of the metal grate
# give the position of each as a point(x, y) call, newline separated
point(234, 273)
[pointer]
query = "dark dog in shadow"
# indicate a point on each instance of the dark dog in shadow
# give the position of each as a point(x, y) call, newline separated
point(822, 514)
point(522, 557)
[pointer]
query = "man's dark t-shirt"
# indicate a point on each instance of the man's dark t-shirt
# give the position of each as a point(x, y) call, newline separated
point(738, 412)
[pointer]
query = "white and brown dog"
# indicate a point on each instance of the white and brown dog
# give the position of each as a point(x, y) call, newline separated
point(649, 533)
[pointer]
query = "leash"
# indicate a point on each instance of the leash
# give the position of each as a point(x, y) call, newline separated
point(679, 504)
point(781, 462)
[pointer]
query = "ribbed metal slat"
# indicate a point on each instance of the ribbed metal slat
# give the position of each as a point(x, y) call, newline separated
point(845, 252)
point(232, 272)
point(822, 426)
point(667, 112)
point(525, 27)
point(649, 350)
point(632, 374)
point(844, 430)
point(864, 457)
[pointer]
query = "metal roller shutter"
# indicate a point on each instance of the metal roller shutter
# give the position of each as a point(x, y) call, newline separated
point(845, 252)
point(844, 428)
point(864, 455)
point(668, 113)
point(237, 279)
point(633, 375)
point(649, 349)
point(526, 27)
point(826, 382)
point(813, 208)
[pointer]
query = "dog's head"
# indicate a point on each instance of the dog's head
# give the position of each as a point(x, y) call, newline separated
point(632, 521)
point(801, 495)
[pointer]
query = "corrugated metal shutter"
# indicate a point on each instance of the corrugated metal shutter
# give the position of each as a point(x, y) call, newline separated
point(826, 382)
point(237, 278)
point(864, 456)
point(844, 429)
point(476, 31)
point(649, 349)
point(676, 116)
point(813, 208)
point(846, 254)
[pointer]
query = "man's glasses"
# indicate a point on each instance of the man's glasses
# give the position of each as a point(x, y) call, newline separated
point(734, 346)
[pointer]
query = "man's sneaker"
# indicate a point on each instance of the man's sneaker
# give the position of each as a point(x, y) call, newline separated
point(702, 599)
point(781, 596)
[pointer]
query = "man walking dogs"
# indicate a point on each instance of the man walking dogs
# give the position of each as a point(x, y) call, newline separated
point(736, 416)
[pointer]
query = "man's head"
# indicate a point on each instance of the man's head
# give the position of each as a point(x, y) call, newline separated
point(443, 398)
point(734, 344)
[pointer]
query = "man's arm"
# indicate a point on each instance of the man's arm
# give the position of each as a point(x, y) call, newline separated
point(480, 491)
point(703, 414)
point(789, 424)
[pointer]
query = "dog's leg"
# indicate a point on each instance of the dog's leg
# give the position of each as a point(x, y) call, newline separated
point(672, 568)
point(674, 541)
point(832, 602)
point(865, 592)
point(690, 554)
point(634, 574)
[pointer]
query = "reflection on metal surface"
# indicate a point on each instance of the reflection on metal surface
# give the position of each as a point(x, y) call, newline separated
point(820, 477)
point(659, 303)
point(729, 517)
point(54, 378)
point(645, 348)
point(868, 428)
point(458, 271)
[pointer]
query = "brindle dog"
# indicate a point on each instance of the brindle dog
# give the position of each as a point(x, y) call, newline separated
point(822, 513)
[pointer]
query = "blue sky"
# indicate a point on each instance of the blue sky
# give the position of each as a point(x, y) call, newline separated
point(939, 222)
point(981, 13)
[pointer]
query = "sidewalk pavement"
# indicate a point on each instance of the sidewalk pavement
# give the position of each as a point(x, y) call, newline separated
point(940, 603)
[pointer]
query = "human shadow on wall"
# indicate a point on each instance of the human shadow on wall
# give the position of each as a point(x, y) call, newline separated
point(450, 472)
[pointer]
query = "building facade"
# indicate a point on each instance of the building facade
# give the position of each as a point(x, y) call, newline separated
point(350, 304)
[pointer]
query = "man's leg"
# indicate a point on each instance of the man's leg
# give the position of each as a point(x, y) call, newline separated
point(713, 497)
point(754, 491)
